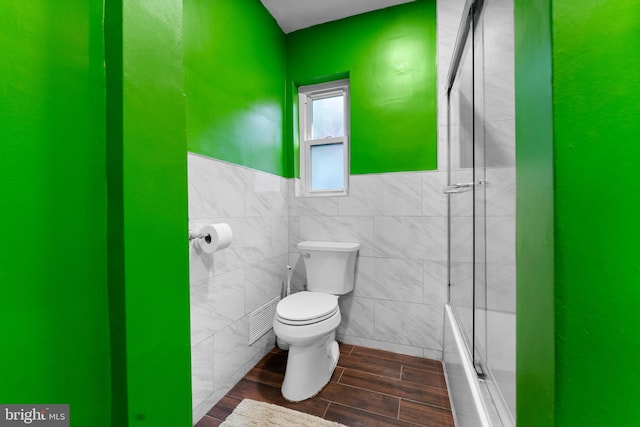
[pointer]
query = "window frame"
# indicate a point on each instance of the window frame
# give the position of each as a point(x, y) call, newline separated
point(307, 94)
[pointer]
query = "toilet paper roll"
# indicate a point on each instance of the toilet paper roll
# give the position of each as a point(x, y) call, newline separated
point(217, 237)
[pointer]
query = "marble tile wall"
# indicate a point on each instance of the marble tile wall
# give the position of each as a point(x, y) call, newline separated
point(227, 285)
point(400, 290)
point(399, 219)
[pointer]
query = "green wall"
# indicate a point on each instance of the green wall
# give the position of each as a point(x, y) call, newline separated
point(595, 199)
point(148, 258)
point(234, 81)
point(596, 104)
point(238, 63)
point(390, 58)
point(53, 299)
point(94, 302)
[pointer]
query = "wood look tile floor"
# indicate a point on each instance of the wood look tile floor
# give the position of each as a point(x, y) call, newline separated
point(368, 388)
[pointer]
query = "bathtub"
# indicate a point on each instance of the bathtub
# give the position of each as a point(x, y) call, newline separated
point(475, 402)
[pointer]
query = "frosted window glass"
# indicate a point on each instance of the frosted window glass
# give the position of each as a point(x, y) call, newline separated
point(327, 117)
point(327, 167)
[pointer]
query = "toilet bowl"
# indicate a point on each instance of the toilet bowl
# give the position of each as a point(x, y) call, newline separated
point(307, 321)
point(313, 350)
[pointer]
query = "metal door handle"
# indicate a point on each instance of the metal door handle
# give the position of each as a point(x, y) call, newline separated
point(459, 187)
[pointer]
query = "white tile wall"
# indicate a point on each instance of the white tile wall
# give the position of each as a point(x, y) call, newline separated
point(390, 279)
point(227, 285)
point(397, 305)
point(397, 194)
point(357, 317)
point(339, 228)
point(434, 282)
point(417, 325)
point(263, 281)
point(434, 201)
point(202, 369)
point(400, 221)
point(411, 237)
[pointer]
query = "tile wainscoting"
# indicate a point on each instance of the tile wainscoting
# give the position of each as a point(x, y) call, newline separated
point(400, 290)
point(228, 285)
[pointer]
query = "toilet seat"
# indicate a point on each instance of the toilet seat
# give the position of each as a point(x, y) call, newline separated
point(305, 308)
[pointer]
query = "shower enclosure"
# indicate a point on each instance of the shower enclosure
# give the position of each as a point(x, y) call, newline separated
point(480, 332)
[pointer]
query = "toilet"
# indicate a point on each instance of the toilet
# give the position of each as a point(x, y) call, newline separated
point(307, 321)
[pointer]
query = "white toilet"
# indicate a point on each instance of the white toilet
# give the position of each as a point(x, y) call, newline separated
point(307, 321)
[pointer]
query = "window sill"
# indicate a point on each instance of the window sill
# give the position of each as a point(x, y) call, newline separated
point(300, 194)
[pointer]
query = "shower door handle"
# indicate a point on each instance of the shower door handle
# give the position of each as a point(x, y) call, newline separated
point(459, 187)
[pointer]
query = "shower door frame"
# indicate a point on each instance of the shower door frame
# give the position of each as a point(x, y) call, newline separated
point(466, 39)
point(471, 36)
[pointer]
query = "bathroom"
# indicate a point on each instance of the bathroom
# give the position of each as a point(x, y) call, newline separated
point(95, 273)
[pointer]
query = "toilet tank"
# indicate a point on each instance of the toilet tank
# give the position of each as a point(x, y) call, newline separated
point(331, 266)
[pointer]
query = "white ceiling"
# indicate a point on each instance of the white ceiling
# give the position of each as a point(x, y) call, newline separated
point(294, 15)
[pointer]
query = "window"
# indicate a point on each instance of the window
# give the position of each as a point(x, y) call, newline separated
point(324, 138)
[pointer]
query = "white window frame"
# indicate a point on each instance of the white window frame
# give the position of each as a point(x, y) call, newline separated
point(306, 95)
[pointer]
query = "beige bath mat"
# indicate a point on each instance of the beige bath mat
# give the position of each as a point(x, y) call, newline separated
point(250, 413)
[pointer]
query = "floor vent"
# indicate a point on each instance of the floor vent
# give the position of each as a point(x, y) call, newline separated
point(261, 320)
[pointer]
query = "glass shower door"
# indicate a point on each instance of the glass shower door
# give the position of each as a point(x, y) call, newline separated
point(467, 232)
point(481, 188)
point(460, 190)
point(495, 103)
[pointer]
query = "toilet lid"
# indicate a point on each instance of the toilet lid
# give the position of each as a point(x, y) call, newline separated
point(307, 307)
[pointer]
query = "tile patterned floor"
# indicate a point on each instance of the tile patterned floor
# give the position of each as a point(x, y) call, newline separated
point(368, 388)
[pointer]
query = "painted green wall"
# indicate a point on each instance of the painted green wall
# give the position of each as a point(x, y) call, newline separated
point(148, 264)
point(235, 78)
point(390, 58)
point(53, 279)
point(595, 199)
point(596, 104)
point(535, 329)
point(234, 81)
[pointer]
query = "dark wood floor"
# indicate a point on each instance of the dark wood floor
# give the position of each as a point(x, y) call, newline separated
point(368, 388)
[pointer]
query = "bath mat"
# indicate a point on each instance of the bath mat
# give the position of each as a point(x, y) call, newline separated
point(250, 413)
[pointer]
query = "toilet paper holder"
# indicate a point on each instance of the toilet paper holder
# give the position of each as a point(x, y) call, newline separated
point(205, 236)
point(212, 237)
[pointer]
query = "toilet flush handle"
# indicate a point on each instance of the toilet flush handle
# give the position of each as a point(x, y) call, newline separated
point(306, 255)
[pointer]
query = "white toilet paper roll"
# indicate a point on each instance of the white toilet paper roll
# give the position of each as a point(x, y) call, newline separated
point(217, 237)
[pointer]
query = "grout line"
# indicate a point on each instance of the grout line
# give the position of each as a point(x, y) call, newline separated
point(393, 378)
point(396, 396)
point(324, 414)
point(348, 353)
point(440, 376)
point(377, 414)
point(382, 417)
point(370, 391)
point(390, 359)
point(426, 404)
point(426, 370)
